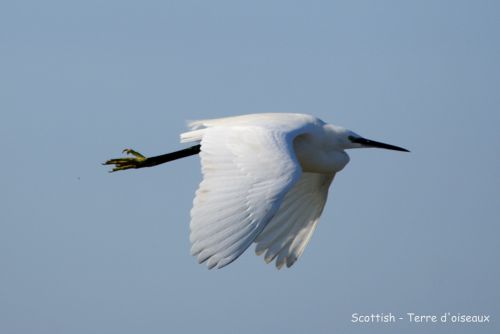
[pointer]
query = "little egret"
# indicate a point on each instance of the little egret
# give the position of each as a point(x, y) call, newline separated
point(265, 181)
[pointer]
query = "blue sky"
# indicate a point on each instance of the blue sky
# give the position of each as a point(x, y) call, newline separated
point(85, 251)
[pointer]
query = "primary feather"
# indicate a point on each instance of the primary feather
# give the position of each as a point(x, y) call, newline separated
point(287, 234)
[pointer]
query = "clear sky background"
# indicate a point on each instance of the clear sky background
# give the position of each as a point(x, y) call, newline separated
point(85, 251)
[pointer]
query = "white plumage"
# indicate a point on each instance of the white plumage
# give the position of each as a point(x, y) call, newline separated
point(265, 180)
point(255, 188)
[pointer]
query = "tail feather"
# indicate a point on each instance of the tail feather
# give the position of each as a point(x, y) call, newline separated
point(192, 136)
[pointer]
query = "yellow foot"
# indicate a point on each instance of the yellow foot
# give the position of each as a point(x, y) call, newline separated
point(128, 162)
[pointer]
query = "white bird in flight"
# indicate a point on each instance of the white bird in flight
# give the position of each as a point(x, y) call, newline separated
point(265, 181)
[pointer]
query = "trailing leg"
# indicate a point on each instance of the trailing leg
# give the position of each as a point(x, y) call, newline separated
point(139, 161)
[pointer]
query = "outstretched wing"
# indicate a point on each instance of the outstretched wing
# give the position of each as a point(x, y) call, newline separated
point(247, 171)
point(287, 234)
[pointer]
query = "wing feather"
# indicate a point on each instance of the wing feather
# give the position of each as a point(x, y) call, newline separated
point(287, 234)
point(247, 172)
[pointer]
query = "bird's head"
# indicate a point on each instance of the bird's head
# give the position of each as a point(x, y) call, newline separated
point(349, 139)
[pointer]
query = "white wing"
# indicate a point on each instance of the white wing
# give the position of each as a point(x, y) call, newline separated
point(287, 234)
point(247, 170)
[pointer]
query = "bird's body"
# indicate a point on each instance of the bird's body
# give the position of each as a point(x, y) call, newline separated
point(265, 181)
point(314, 142)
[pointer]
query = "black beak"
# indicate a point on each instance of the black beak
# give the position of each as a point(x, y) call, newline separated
point(373, 143)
